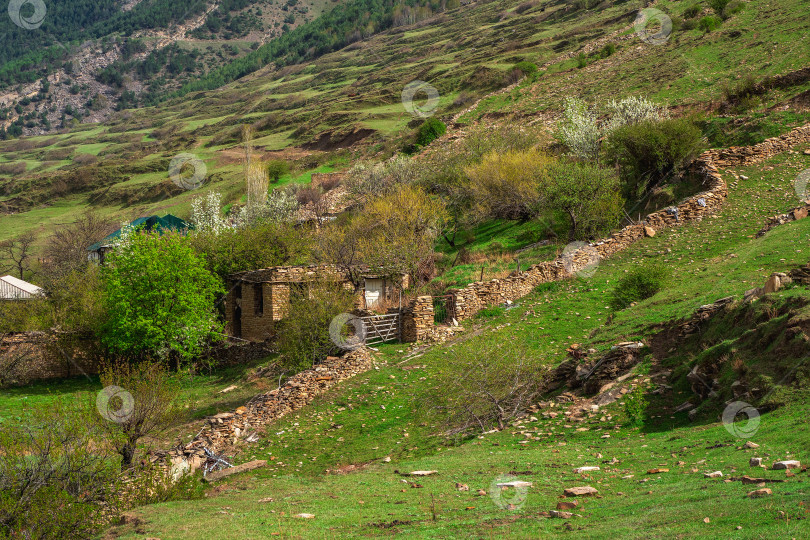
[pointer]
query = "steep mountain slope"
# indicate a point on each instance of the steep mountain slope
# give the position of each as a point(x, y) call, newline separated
point(347, 104)
point(82, 63)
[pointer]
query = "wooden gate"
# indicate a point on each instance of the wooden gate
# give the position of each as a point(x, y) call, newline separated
point(381, 328)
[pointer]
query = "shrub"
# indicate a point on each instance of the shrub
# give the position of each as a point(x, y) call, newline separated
point(633, 110)
point(430, 130)
point(607, 50)
point(743, 93)
point(376, 179)
point(692, 11)
point(276, 168)
point(485, 388)
point(582, 60)
point(732, 8)
point(506, 185)
point(635, 406)
point(527, 68)
point(710, 23)
point(579, 130)
point(718, 5)
point(56, 480)
point(304, 338)
point(651, 151)
point(639, 284)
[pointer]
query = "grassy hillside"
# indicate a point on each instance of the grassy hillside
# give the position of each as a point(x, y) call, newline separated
point(327, 459)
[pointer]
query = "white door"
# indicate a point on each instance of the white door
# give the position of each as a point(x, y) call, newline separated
point(374, 290)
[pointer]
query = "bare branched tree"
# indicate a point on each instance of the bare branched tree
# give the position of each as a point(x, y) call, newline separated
point(17, 253)
point(141, 403)
point(66, 249)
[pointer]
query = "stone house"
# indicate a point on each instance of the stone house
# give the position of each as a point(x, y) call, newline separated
point(258, 299)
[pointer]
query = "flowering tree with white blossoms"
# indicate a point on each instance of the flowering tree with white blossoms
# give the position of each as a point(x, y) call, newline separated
point(582, 132)
point(205, 213)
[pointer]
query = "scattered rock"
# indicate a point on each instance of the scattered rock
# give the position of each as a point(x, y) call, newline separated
point(229, 389)
point(580, 470)
point(755, 462)
point(561, 515)
point(462, 487)
point(657, 471)
point(749, 444)
point(421, 473)
point(514, 484)
point(715, 474)
point(266, 500)
point(764, 492)
point(304, 516)
point(582, 491)
point(567, 505)
point(787, 464)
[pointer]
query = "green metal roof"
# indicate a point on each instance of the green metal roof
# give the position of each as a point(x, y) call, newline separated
point(151, 223)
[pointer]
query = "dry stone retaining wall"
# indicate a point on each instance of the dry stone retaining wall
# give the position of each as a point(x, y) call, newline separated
point(418, 317)
point(223, 431)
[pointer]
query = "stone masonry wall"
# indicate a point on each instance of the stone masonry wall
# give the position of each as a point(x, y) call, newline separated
point(223, 432)
point(476, 296)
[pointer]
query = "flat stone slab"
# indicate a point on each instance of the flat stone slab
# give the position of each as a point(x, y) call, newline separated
point(715, 474)
point(764, 492)
point(787, 464)
point(421, 473)
point(580, 470)
point(514, 484)
point(249, 466)
point(582, 491)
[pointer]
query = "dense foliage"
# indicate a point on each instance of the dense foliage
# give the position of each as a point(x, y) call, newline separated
point(159, 298)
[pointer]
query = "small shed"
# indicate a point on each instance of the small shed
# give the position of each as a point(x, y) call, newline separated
point(12, 288)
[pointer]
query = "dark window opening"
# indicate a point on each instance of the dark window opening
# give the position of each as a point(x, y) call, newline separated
point(258, 299)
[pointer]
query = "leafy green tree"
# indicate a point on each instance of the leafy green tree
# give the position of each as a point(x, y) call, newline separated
point(276, 168)
point(588, 195)
point(159, 298)
point(651, 151)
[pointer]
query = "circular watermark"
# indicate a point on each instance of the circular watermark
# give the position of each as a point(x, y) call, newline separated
point(115, 404)
point(426, 109)
point(751, 426)
point(651, 16)
point(27, 14)
point(508, 492)
point(344, 340)
point(581, 259)
point(800, 185)
point(179, 171)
